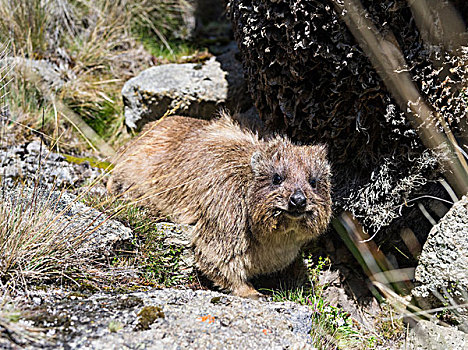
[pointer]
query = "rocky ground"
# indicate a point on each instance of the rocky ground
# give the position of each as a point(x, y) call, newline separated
point(163, 319)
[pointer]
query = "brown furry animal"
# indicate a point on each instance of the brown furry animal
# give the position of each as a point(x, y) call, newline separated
point(254, 203)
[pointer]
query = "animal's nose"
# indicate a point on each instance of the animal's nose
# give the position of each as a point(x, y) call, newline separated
point(297, 201)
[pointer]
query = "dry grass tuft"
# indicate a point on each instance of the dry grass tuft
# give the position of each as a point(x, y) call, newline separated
point(35, 243)
point(95, 47)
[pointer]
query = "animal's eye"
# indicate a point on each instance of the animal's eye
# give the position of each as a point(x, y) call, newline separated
point(313, 182)
point(277, 179)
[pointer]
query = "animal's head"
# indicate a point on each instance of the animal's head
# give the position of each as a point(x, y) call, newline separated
point(291, 187)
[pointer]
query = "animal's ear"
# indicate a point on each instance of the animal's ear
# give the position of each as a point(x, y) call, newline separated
point(256, 160)
point(275, 147)
point(320, 150)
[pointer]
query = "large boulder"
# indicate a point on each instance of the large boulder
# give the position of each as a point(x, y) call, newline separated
point(193, 89)
point(442, 273)
point(190, 89)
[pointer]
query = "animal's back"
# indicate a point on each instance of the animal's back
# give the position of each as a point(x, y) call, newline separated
point(178, 164)
point(254, 202)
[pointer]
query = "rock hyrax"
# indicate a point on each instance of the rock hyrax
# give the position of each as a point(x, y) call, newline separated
point(253, 203)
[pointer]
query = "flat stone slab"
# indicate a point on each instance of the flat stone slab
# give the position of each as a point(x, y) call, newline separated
point(171, 319)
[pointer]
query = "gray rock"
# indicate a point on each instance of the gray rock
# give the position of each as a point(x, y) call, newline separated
point(442, 273)
point(174, 319)
point(26, 163)
point(196, 90)
point(427, 335)
point(53, 75)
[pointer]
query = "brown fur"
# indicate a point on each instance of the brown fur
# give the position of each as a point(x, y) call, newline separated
point(218, 177)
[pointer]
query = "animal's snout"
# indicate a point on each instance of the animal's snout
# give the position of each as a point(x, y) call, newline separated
point(297, 201)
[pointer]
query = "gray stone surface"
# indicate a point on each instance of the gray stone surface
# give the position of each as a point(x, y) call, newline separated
point(427, 335)
point(22, 162)
point(442, 273)
point(178, 319)
point(177, 236)
point(198, 89)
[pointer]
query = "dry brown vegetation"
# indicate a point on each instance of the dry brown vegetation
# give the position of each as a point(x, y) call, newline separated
point(94, 47)
point(34, 243)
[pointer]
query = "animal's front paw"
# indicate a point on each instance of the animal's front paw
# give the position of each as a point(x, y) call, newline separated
point(248, 291)
point(258, 296)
